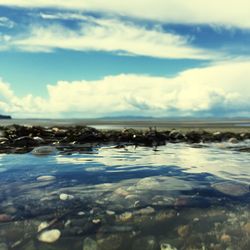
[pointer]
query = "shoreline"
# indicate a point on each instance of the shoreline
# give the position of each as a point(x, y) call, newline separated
point(23, 139)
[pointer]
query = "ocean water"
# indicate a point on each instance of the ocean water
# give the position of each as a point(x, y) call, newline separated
point(178, 196)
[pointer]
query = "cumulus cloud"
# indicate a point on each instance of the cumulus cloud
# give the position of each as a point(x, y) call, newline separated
point(221, 89)
point(223, 12)
point(112, 35)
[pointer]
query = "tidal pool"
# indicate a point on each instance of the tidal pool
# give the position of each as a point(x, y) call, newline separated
point(179, 196)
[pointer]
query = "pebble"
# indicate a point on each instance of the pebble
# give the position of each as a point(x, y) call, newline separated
point(89, 244)
point(125, 216)
point(246, 228)
point(183, 230)
point(5, 218)
point(225, 238)
point(146, 211)
point(96, 221)
point(233, 140)
point(46, 178)
point(66, 197)
point(42, 226)
point(81, 213)
point(231, 188)
point(49, 236)
point(166, 246)
point(109, 212)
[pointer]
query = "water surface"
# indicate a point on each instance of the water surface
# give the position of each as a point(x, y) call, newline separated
point(179, 196)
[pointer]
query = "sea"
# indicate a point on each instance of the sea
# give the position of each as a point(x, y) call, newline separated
point(177, 196)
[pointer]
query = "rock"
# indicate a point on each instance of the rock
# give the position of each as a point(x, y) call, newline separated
point(231, 188)
point(183, 230)
point(66, 197)
point(89, 244)
point(5, 218)
point(42, 226)
point(146, 211)
point(25, 141)
point(111, 242)
point(96, 221)
point(46, 178)
point(44, 150)
point(81, 213)
point(233, 140)
point(125, 216)
point(246, 228)
point(39, 139)
point(145, 243)
point(3, 246)
point(49, 236)
point(225, 238)
point(166, 246)
point(109, 212)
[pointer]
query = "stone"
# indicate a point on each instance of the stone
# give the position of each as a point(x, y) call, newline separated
point(89, 244)
point(44, 150)
point(125, 216)
point(246, 228)
point(231, 188)
point(49, 236)
point(183, 230)
point(46, 178)
point(66, 197)
point(42, 226)
point(111, 242)
point(233, 140)
point(3, 246)
point(145, 243)
point(96, 221)
point(225, 238)
point(109, 212)
point(146, 211)
point(166, 246)
point(5, 218)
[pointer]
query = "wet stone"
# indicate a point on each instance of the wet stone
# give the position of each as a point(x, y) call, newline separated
point(46, 178)
point(145, 243)
point(231, 188)
point(89, 244)
point(49, 236)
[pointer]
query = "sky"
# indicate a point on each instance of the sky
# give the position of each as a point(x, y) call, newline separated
point(159, 58)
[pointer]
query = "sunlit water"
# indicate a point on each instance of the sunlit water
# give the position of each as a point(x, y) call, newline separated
point(128, 198)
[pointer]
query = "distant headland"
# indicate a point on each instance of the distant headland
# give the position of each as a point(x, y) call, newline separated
point(5, 117)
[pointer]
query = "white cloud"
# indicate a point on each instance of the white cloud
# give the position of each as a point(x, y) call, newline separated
point(6, 22)
point(110, 35)
point(223, 12)
point(221, 89)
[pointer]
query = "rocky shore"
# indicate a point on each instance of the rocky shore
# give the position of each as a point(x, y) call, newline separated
point(22, 139)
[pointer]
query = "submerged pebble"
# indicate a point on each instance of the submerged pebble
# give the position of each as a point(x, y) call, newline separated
point(42, 226)
point(46, 178)
point(49, 236)
point(166, 246)
point(66, 197)
point(231, 188)
point(89, 244)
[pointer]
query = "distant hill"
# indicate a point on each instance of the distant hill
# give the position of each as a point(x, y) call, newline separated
point(5, 117)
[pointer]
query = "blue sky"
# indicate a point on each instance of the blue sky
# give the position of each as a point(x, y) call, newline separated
point(157, 58)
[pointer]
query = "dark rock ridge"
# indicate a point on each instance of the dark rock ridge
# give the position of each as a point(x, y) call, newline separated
point(21, 139)
point(5, 117)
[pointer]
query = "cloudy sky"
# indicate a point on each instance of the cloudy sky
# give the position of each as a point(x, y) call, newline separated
point(63, 59)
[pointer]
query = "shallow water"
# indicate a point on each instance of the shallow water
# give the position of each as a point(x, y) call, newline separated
point(179, 196)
